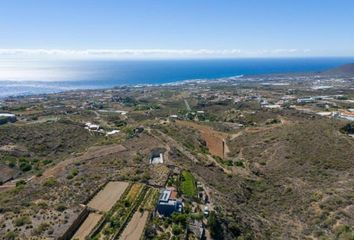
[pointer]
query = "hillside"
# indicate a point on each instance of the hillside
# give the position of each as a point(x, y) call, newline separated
point(305, 179)
point(343, 70)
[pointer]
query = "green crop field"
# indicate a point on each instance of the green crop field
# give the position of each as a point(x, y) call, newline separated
point(188, 186)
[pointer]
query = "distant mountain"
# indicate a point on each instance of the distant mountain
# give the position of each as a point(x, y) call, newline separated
point(345, 70)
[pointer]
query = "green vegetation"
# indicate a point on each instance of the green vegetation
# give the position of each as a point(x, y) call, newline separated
point(137, 197)
point(23, 220)
point(40, 229)
point(61, 207)
point(50, 182)
point(20, 183)
point(188, 184)
point(215, 226)
point(144, 107)
point(10, 235)
point(73, 172)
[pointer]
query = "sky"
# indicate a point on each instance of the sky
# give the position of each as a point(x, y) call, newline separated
point(176, 29)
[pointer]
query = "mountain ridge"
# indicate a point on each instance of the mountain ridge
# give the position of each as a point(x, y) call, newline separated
point(346, 69)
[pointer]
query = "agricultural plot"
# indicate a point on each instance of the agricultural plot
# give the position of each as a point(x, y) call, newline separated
point(188, 186)
point(150, 200)
point(128, 217)
point(87, 226)
point(135, 228)
point(108, 196)
point(122, 212)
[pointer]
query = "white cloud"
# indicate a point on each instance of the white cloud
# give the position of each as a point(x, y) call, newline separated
point(147, 53)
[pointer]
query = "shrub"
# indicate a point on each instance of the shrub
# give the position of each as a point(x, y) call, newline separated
point(50, 182)
point(23, 220)
point(176, 229)
point(73, 173)
point(214, 226)
point(179, 218)
point(239, 164)
point(25, 166)
point(10, 235)
point(20, 183)
point(60, 207)
point(47, 161)
point(12, 164)
point(40, 229)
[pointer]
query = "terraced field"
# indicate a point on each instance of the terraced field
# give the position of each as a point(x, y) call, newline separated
point(101, 203)
point(121, 212)
point(128, 217)
point(87, 226)
point(136, 226)
point(108, 196)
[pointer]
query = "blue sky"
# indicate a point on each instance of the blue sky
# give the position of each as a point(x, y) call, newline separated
point(183, 28)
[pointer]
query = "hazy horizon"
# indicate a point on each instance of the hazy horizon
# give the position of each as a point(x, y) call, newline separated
point(184, 29)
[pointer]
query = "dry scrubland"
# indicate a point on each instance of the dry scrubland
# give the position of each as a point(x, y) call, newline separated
point(285, 174)
point(53, 200)
point(303, 169)
point(296, 179)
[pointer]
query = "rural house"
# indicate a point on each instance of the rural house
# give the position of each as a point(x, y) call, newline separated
point(168, 202)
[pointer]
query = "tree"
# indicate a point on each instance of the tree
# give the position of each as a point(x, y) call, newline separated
point(215, 226)
point(349, 128)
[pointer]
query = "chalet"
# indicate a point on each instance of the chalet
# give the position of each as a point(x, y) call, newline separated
point(305, 100)
point(92, 127)
point(168, 202)
point(156, 157)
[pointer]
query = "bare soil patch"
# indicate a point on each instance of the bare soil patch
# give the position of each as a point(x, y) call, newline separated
point(87, 226)
point(107, 197)
point(136, 226)
point(216, 141)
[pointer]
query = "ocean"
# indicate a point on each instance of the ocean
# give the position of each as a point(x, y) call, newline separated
point(28, 77)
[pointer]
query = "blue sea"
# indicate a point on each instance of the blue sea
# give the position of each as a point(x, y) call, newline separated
point(28, 77)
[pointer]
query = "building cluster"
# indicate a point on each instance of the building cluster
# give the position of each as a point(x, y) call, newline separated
point(7, 118)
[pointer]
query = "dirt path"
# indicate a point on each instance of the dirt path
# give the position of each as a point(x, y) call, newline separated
point(87, 226)
point(7, 186)
point(107, 197)
point(187, 106)
point(173, 143)
point(136, 226)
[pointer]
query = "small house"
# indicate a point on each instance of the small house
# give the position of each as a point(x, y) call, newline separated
point(7, 117)
point(168, 202)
